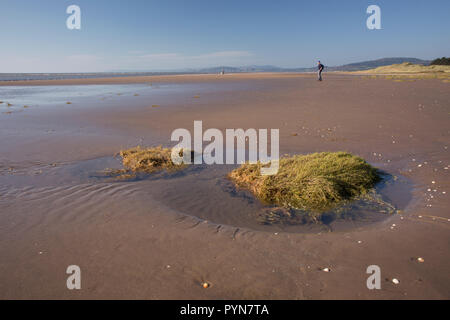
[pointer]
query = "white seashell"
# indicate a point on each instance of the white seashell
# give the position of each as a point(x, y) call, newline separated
point(326, 270)
point(395, 281)
point(420, 259)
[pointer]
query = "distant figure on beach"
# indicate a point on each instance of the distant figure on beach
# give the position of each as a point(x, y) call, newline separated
point(320, 69)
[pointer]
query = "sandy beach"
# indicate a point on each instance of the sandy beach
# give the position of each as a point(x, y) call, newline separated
point(163, 236)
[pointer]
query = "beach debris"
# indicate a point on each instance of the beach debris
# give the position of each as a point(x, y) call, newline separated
point(294, 134)
point(395, 281)
point(205, 285)
point(155, 106)
point(196, 97)
point(25, 106)
point(9, 104)
point(420, 259)
point(68, 102)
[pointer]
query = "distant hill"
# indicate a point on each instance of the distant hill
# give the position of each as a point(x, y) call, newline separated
point(366, 65)
point(241, 69)
point(358, 66)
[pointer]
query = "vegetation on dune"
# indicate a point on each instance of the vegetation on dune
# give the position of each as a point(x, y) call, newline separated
point(407, 68)
point(441, 61)
point(315, 183)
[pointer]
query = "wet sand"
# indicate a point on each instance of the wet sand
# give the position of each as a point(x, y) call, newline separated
point(142, 239)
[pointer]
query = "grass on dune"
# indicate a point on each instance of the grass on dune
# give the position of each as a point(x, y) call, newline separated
point(315, 183)
point(408, 71)
point(407, 67)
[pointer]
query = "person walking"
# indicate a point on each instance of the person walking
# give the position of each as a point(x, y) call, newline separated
point(320, 67)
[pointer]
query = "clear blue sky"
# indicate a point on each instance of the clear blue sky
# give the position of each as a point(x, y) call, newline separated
point(169, 34)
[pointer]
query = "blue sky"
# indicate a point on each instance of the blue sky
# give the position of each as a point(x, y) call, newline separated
point(145, 35)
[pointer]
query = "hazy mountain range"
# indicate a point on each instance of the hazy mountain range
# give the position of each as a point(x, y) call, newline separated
point(364, 65)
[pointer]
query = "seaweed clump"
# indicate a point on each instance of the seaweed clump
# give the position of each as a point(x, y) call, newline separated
point(313, 183)
point(149, 160)
point(139, 160)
